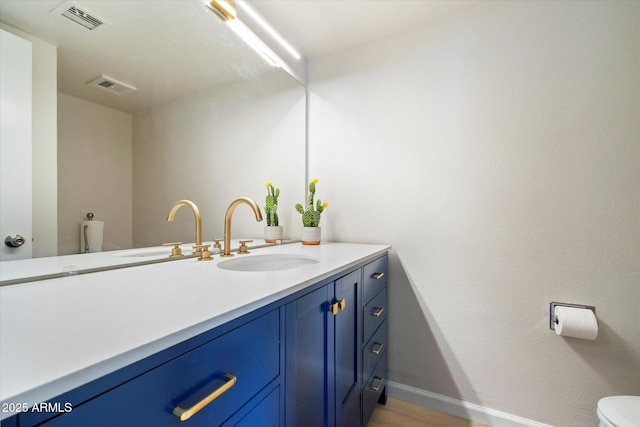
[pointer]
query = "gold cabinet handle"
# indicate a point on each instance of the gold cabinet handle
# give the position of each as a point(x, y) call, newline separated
point(378, 311)
point(377, 276)
point(378, 349)
point(377, 386)
point(337, 306)
point(333, 308)
point(185, 414)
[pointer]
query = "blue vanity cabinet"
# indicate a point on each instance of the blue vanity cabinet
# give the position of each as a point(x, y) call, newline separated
point(374, 336)
point(243, 365)
point(323, 355)
point(314, 358)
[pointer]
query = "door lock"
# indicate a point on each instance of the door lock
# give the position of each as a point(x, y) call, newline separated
point(14, 241)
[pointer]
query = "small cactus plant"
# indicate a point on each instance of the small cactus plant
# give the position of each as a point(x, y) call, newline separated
point(271, 204)
point(311, 216)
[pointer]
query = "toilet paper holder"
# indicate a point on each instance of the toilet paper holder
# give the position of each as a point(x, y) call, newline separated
point(552, 317)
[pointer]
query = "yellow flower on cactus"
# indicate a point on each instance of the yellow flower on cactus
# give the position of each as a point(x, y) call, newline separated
point(315, 180)
point(325, 204)
point(269, 184)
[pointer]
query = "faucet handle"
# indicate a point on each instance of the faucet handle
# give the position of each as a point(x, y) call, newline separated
point(175, 251)
point(243, 246)
point(203, 250)
point(217, 245)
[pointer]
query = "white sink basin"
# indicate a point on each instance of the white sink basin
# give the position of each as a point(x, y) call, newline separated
point(267, 262)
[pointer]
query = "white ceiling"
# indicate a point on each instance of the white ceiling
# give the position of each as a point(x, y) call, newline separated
point(145, 46)
point(321, 27)
point(166, 52)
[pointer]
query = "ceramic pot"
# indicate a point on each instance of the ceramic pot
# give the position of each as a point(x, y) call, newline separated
point(273, 233)
point(310, 235)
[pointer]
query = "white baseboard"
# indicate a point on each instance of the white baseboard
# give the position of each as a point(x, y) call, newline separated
point(458, 408)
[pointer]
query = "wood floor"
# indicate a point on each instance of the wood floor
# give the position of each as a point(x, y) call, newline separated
point(398, 413)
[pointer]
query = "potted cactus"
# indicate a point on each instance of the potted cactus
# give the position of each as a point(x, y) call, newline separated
point(273, 230)
point(311, 232)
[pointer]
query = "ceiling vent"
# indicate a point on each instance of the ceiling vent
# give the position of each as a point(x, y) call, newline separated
point(81, 16)
point(112, 85)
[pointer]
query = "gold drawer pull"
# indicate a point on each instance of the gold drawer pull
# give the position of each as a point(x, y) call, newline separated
point(377, 276)
point(378, 311)
point(342, 304)
point(377, 350)
point(377, 386)
point(185, 414)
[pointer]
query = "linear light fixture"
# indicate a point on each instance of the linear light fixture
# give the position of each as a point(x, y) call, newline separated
point(226, 10)
point(269, 29)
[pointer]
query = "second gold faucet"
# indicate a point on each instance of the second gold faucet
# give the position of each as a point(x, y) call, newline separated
point(227, 221)
point(196, 212)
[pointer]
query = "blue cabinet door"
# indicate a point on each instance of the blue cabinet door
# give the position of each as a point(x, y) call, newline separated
point(323, 355)
point(306, 351)
point(347, 350)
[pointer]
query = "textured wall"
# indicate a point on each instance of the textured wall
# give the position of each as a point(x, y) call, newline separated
point(498, 152)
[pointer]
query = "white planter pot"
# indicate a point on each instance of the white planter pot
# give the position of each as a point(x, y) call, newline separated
point(273, 233)
point(310, 235)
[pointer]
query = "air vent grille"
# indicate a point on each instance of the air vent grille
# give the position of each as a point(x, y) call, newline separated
point(112, 85)
point(81, 16)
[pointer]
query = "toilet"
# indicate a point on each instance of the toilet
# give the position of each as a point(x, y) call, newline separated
point(619, 411)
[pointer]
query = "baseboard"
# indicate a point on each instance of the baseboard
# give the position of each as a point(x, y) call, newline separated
point(458, 408)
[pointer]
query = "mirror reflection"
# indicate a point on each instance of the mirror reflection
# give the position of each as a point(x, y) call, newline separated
point(196, 115)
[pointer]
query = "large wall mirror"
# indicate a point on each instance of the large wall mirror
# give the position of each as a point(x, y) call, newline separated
point(208, 121)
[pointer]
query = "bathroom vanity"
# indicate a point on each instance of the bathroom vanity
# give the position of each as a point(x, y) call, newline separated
point(264, 343)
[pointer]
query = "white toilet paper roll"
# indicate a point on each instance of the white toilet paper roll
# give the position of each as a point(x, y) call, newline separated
point(94, 235)
point(576, 322)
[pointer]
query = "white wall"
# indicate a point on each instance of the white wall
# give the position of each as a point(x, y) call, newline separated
point(498, 152)
point(95, 172)
point(214, 148)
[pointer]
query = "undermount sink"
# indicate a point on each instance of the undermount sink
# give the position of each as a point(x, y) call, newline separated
point(266, 262)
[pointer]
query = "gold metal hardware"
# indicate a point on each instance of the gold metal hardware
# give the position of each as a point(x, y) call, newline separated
point(377, 350)
point(333, 308)
point(337, 306)
point(175, 251)
point(185, 414)
point(225, 9)
point(203, 250)
point(217, 244)
point(243, 246)
point(377, 387)
point(377, 276)
point(227, 221)
point(377, 311)
point(196, 212)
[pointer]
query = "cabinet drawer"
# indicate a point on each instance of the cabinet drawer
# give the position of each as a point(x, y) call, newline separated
point(373, 388)
point(373, 350)
point(250, 353)
point(375, 277)
point(374, 314)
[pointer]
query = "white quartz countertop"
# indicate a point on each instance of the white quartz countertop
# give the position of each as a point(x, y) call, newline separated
point(26, 270)
point(61, 333)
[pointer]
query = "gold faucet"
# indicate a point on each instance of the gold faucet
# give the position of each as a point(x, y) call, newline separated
point(227, 221)
point(196, 212)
